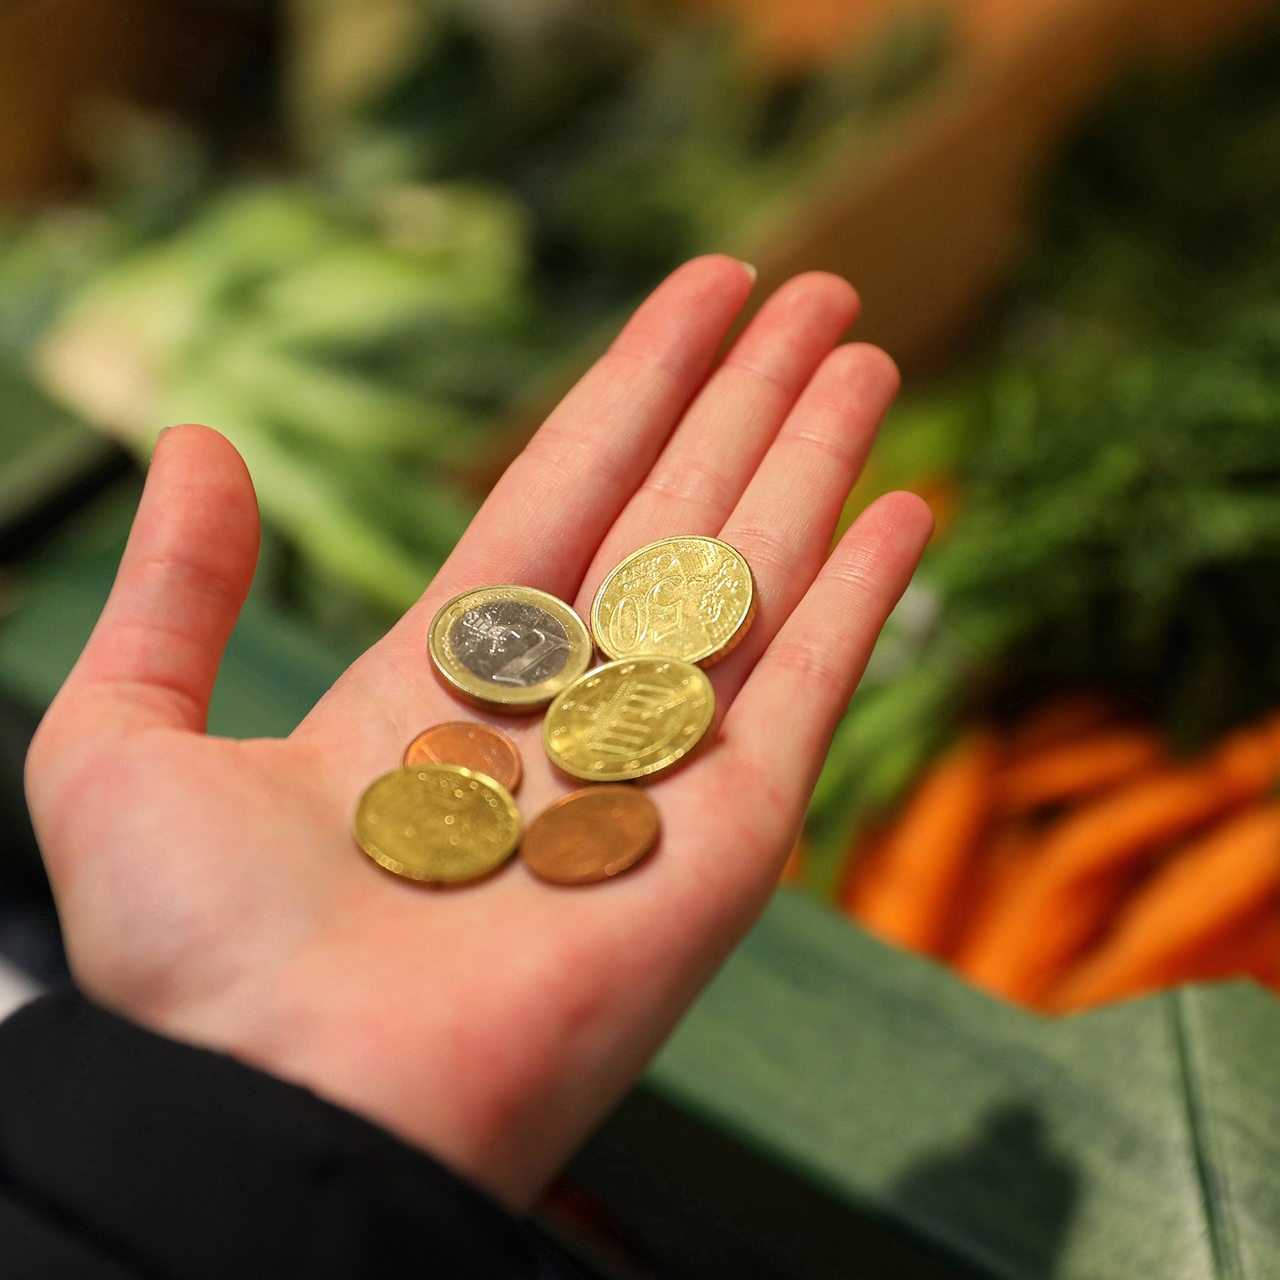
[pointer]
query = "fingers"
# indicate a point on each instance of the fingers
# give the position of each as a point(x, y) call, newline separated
point(802, 684)
point(709, 460)
point(153, 656)
point(785, 520)
point(546, 516)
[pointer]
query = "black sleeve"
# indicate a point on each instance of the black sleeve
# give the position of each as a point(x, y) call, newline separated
point(125, 1154)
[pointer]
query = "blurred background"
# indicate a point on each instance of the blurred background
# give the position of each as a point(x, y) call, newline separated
point(373, 240)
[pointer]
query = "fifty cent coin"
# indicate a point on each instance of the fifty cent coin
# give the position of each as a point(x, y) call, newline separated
point(509, 647)
point(591, 835)
point(440, 823)
point(474, 746)
point(691, 598)
point(629, 719)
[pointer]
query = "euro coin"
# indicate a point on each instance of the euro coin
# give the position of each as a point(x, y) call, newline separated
point(591, 835)
point(629, 719)
point(508, 647)
point(691, 598)
point(440, 823)
point(474, 746)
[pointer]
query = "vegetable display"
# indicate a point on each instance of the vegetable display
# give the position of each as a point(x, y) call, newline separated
point(366, 305)
point(1115, 461)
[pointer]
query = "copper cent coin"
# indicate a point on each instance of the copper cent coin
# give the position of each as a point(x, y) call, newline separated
point(474, 746)
point(591, 835)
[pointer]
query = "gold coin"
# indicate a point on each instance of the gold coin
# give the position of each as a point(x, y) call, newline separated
point(437, 822)
point(628, 719)
point(508, 647)
point(591, 834)
point(690, 598)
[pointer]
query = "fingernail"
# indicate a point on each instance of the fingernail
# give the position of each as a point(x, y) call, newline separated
point(749, 268)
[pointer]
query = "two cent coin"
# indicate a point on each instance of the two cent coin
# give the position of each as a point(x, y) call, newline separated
point(591, 835)
point(474, 746)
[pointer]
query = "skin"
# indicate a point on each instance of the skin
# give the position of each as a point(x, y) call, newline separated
point(210, 889)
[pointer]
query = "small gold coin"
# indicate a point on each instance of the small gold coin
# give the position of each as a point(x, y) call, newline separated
point(509, 647)
point(474, 746)
point(591, 834)
point(439, 822)
point(691, 598)
point(628, 719)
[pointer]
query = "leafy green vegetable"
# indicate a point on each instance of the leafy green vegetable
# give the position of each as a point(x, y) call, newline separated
point(1119, 470)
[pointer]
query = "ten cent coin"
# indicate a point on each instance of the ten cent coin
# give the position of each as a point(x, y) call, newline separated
point(691, 598)
point(474, 746)
point(441, 823)
point(509, 647)
point(629, 719)
point(591, 835)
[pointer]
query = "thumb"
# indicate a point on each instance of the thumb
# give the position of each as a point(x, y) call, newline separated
point(154, 653)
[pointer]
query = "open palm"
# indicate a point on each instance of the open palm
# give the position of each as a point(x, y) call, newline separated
point(211, 889)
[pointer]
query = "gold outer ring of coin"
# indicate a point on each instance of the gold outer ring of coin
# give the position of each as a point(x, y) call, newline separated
point(591, 834)
point(668, 613)
point(440, 823)
point(633, 718)
point(474, 746)
point(504, 668)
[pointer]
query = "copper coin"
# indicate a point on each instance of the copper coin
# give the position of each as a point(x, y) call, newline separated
point(591, 835)
point(473, 746)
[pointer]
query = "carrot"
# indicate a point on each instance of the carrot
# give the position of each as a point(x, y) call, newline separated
point(1083, 764)
point(862, 863)
point(1171, 929)
point(911, 888)
point(793, 870)
point(1086, 861)
point(1001, 862)
point(1057, 720)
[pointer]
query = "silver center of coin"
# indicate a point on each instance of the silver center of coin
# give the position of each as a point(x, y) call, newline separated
point(507, 642)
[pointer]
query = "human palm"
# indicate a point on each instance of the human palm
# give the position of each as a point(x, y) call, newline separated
point(211, 889)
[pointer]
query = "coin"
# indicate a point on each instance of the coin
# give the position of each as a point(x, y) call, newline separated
point(628, 719)
point(474, 746)
point(437, 822)
point(591, 835)
point(691, 598)
point(508, 647)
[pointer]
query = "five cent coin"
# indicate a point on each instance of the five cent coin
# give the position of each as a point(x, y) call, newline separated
point(508, 647)
point(629, 719)
point(691, 598)
point(474, 746)
point(591, 835)
point(440, 823)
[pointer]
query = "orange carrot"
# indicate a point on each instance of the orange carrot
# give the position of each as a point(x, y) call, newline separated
point(1171, 928)
point(793, 869)
point(862, 864)
point(912, 887)
point(1080, 766)
point(1000, 863)
point(1057, 720)
point(1085, 861)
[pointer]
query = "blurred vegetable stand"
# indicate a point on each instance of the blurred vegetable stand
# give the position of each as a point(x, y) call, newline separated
point(388, 326)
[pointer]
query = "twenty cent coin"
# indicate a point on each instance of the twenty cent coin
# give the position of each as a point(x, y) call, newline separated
point(590, 835)
point(440, 823)
point(508, 647)
point(691, 598)
point(629, 719)
point(474, 746)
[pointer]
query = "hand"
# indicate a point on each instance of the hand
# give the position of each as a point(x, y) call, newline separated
point(210, 889)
